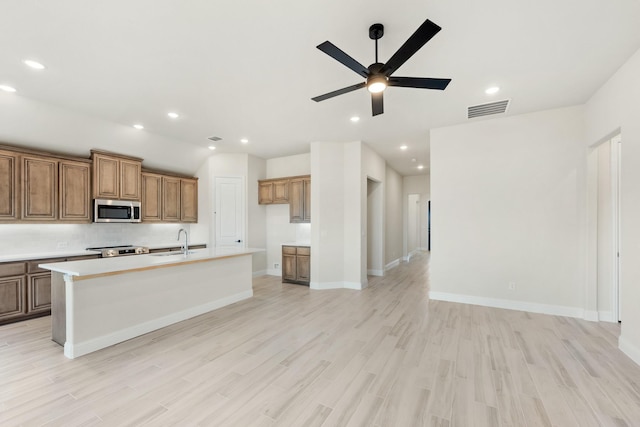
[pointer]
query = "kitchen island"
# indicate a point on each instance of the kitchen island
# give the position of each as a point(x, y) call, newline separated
point(101, 302)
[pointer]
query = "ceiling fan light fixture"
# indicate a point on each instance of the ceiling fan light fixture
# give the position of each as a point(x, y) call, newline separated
point(376, 84)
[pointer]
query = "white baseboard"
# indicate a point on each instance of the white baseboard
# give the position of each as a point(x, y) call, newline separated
point(274, 272)
point(392, 264)
point(556, 310)
point(375, 273)
point(337, 285)
point(591, 315)
point(86, 347)
point(629, 349)
point(259, 273)
point(606, 316)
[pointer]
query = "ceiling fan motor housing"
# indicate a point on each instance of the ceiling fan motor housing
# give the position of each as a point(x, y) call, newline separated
point(376, 31)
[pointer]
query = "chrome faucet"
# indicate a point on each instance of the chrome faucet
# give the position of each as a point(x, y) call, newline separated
point(186, 241)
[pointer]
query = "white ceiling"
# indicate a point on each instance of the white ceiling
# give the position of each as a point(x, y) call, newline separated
point(249, 68)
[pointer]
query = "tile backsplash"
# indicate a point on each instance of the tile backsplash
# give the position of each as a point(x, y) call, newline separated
point(38, 238)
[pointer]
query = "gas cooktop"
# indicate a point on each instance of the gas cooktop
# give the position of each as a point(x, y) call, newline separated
point(111, 251)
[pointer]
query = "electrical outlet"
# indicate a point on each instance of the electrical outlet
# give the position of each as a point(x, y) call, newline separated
point(62, 245)
point(512, 286)
point(276, 266)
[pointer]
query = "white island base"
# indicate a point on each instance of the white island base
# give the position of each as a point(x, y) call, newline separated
point(99, 303)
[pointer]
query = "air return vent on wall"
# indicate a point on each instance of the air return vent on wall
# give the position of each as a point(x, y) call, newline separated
point(215, 138)
point(497, 107)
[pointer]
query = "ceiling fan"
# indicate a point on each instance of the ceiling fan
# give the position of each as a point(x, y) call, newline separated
point(378, 75)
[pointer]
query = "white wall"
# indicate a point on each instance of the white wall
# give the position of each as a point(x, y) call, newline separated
point(30, 123)
point(29, 239)
point(413, 223)
point(250, 169)
point(509, 198)
point(613, 108)
point(278, 229)
point(393, 218)
point(421, 185)
point(605, 231)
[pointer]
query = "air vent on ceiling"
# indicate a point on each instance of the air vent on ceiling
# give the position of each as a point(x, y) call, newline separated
point(215, 138)
point(497, 107)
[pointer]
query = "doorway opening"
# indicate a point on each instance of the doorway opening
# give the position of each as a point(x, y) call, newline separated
point(413, 225)
point(608, 230)
point(375, 228)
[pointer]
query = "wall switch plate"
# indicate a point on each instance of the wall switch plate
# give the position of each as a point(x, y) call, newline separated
point(276, 265)
point(62, 245)
point(512, 286)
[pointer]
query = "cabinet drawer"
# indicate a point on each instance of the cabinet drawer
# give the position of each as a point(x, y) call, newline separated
point(33, 265)
point(12, 269)
point(80, 258)
point(303, 250)
point(289, 250)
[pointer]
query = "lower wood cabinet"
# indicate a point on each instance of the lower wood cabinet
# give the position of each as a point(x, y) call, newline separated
point(25, 288)
point(12, 298)
point(296, 264)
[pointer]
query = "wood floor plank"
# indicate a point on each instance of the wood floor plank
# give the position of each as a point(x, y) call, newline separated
point(291, 356)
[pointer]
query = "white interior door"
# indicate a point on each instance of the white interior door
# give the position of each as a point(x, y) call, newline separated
point(229, 212)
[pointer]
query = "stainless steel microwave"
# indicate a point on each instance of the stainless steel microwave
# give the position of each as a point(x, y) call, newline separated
point(116, 211)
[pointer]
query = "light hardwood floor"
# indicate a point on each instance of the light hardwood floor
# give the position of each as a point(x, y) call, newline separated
point(385, 356)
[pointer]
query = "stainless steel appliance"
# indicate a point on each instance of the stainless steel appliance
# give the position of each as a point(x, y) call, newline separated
point(111, 251)
point(116, 211)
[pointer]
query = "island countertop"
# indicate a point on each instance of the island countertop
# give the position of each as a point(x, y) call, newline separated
point(87, 269)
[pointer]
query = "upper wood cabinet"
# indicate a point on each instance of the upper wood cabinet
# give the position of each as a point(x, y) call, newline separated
point(151, 197)
point(116, 177)
point(300, 199)
point(75, 191)
point(169, 198)
point(9, 186)
point(273, 191)
point(40, 188)
point(188, 200)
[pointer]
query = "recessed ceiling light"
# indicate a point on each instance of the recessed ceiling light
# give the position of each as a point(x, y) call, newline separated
point(413, 160)
point(244, 140)
point(173, 115)
point(211, 147)
point(34, 64)
point(355, 119)
point(492, 90)
point(138, 126)
point(420, 167)
point(7, 88)
point(403, 147)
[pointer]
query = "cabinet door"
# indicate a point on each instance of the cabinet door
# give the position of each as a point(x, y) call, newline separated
point(188, 200)
point(304, 268)
point(296, 200)
point(170, 199)
point(130, 177)
point(12, 297)
point(151, 197)
point(8, 186)
point(265, 193)
point(39, 188)
point(307, 200)
point(281, 191)
point(75, 193)
point(289, 271)
point(106, 177)
point(39, 293)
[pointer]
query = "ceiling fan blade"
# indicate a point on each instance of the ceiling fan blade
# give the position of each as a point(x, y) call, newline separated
point(377, 103)
point(337, 54)
point(339, 92)
point(423, 34)
point(419, 82)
